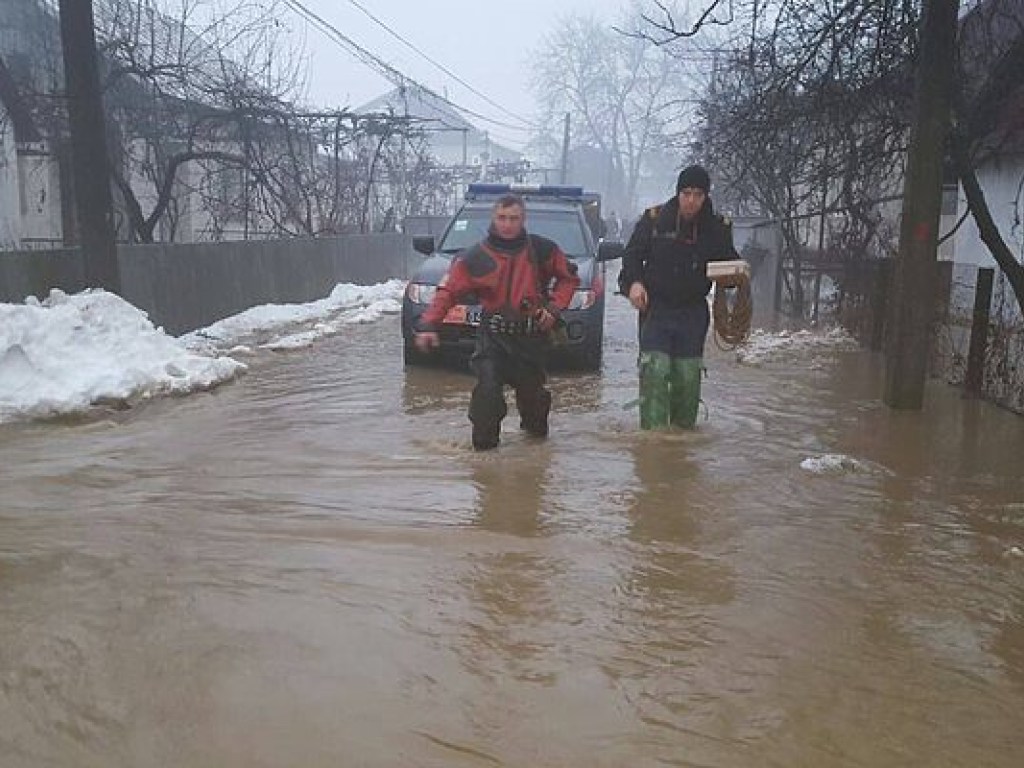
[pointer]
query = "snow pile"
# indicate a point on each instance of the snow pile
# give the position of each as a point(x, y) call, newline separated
point(290, 326)
point(66, 353)
point(765, 347)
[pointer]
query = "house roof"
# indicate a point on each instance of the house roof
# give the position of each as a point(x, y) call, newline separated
point(438, 115)
point(24, 126)
point(417, 102)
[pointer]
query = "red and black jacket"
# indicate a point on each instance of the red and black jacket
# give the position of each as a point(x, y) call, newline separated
point(508, 277)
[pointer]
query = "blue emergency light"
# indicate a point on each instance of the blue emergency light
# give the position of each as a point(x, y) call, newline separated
point(476, 191)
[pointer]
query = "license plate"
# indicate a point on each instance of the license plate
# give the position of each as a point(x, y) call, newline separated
point(461, 314)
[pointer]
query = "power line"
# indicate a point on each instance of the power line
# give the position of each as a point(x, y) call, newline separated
point(382, 67)
point(437, 64)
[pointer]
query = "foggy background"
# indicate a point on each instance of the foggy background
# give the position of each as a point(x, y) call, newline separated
point(490, 46)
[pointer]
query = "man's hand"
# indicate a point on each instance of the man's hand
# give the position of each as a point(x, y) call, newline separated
point(544, 319)
point(427, 341)
point(638, 296)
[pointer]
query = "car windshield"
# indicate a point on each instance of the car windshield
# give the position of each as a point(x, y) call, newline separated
point(564, 227)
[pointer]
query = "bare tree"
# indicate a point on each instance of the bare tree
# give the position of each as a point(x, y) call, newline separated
point(206, 137)
point(179, 87)
point(324, 173)
point(839, 72)
point(668, 26)
point(298, 171)
point(804, 119)
point(623, 96)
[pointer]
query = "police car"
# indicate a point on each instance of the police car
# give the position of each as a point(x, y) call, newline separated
point(560, 213)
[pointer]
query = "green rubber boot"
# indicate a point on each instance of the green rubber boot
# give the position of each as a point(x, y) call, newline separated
point(684, 385)
point(655, 372)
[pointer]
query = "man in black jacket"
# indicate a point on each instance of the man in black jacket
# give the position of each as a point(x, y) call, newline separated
point(664, 274)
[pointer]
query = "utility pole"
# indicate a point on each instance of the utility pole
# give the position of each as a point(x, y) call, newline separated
point(565, 151)
point(485, 158)
point(913, 303)
point(90, 160)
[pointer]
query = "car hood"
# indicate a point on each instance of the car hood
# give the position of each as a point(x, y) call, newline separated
point(432, 269)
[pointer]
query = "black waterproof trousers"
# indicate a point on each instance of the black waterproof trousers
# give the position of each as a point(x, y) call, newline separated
point(516, 361)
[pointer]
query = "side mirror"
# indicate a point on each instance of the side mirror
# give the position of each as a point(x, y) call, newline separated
point(423, 244)
point(609, 250)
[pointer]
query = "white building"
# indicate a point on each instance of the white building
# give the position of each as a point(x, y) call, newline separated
point(454, 141)
point(990, 35)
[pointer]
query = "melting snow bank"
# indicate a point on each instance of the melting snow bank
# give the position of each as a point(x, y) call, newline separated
point(67, 354)
point(765, 347)
point(290, 326)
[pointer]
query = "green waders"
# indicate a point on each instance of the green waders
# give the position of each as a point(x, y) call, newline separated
point(684, 383)
point(669, 390)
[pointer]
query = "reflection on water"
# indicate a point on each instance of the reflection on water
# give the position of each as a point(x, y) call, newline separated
point(311, 567)
point(511, 489)
point(672, 569)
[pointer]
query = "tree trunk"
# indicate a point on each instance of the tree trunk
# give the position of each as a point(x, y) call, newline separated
point(913, 303)
point(89, 153)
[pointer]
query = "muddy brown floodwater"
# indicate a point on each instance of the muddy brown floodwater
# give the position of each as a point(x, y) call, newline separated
point(310, 567)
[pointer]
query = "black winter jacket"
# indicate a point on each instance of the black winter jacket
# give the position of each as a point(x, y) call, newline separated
point(670, 256)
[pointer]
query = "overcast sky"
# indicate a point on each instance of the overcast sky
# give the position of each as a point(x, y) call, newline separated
point(486, 44)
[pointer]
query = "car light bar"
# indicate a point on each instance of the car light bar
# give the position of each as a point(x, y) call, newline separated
point(476, 191)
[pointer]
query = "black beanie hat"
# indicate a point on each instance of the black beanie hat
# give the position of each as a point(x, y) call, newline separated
point(693, 176)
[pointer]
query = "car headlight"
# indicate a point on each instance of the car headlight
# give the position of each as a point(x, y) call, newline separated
point(420, 293)
point(583, 300)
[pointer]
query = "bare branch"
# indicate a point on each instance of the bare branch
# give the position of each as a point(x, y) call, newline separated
point(669, 27)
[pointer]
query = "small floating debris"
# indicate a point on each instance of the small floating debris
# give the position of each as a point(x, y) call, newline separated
point(837, 463)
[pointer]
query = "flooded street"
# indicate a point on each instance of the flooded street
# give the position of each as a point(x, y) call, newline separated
point(310, 567)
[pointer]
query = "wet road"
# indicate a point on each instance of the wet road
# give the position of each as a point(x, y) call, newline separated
point(310, 567)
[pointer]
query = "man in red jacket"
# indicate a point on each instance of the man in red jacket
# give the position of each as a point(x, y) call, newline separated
point(509, 272)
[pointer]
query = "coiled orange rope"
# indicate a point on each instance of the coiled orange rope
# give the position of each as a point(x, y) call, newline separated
point(732, 311)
